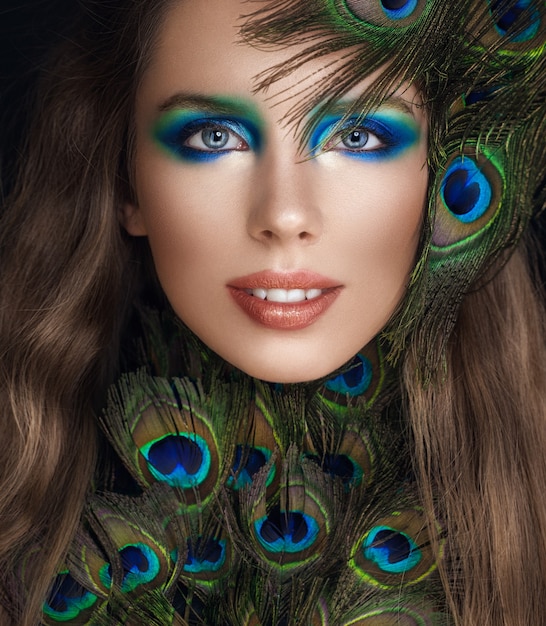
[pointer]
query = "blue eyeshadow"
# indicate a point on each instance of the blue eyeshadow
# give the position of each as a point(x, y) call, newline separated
point(397, 132)
point(174, 128)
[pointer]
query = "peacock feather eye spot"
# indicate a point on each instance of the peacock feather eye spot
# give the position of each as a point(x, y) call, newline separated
point(248, 461)
point(181, 459)
point(460, 194)
point(133, 560)
point(386, 13)
point(286, 531)
point(392, 551)
point(398, 9)
point(67, 599)
point(479, 95)
point(140, 565)
point(171, 451)
point(339, 466)
point(205, 555)
point(356, 380)
point(465, 190)
point(520, 17)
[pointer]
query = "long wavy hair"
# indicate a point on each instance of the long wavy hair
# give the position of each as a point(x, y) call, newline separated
point(69, 276)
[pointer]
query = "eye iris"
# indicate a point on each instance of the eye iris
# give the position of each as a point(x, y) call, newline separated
point(214, 137)
point(356, 139)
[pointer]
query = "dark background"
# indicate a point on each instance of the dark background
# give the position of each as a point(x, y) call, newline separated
point(28, 30)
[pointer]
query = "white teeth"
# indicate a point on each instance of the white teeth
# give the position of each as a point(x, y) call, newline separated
point(286, 295)
point(313, 293)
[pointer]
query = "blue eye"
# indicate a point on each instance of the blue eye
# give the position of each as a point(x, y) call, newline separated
point(379, 136)
point(211, 138)
point(361, 139)
point(199, 137)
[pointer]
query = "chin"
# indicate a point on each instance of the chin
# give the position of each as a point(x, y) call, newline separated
point(303, 372)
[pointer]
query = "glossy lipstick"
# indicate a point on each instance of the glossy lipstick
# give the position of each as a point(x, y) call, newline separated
point(284, 315)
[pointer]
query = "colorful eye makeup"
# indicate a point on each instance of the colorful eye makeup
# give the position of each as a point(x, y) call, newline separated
point(384, 134)
point(197, 136)
point(194, 133)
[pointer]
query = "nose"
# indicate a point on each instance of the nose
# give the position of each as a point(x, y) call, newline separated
point(284, 207)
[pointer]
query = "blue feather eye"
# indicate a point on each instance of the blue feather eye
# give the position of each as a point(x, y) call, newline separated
point(355, 381)
point(180, 460)
point(363, 377)
point(339, 466)
point(249, 460)
point(469, 196)
point(139, 563)
point(383, 13)
point(395, 548)
point(286, 531)
point(68, 599)
point(198, 137)
point(393, 551)
point(205, 555)
point(521, 19)
point(398, 9)
point(465, 190)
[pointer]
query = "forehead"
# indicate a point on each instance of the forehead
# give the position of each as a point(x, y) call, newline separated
point(199, 50)
point(199, 46)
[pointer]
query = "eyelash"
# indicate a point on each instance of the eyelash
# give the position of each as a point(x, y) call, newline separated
point(176, 137)
point(387, 136)
point(196, 130)
point(345, 135)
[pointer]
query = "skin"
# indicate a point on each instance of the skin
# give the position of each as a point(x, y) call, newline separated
point(353, 217)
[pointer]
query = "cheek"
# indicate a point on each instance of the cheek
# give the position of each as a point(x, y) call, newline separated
point(378, 212)
point(397, 220)
point(188, 211)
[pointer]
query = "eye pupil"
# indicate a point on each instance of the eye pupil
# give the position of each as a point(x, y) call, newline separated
point(215, 138)
point(356, 139)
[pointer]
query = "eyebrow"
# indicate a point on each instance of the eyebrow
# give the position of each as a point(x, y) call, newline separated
point(227, 105)
point(219, 105)
point(341, 107)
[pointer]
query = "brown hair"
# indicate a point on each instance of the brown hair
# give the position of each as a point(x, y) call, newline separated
point(63, 289)
point(66, 284)
point(480, 437)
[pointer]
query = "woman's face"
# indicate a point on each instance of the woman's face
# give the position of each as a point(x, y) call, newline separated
point(284, 265)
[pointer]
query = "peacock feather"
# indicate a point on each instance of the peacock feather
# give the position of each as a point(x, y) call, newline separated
point(253, 503)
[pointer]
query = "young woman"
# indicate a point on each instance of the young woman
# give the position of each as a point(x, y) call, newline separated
point(299, 237)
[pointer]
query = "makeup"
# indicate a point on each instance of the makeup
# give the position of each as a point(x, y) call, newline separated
point(385, 134)
point(196, 128)
point(215, 211)
point(284, 300)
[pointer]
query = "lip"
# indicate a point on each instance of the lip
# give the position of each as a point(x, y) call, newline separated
point(281, 315)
